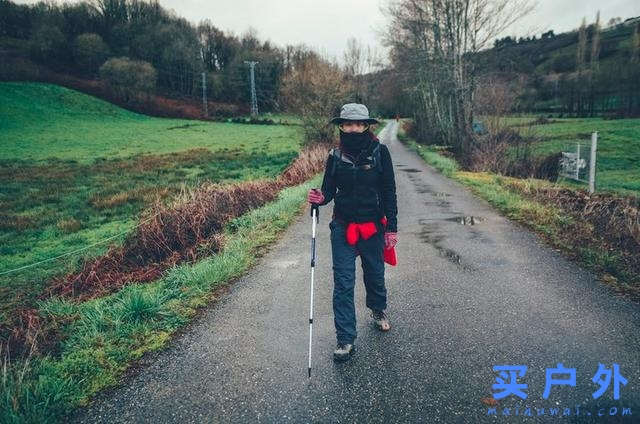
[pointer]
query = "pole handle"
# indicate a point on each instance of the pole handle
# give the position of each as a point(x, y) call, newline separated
point(316, 207)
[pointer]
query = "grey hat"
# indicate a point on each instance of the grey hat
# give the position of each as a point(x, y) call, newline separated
point(354, 112)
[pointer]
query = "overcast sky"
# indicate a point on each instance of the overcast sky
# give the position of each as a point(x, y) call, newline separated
point(327, 24)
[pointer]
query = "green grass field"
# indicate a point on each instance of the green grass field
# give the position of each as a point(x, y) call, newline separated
point(75, 170)
point(618, 159)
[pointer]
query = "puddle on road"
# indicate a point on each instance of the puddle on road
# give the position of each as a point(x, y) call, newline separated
point(430, 234)
point(420, 186)
point(411, 170)
point(427, 235)
point(465, 220)
point(441, 203)
point(450, 254)
point(424, 188)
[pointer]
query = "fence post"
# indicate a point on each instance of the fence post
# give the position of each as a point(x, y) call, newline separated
point(592, 162)
point(577, 161)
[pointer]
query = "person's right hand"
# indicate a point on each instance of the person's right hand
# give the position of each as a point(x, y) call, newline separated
point(315, 196)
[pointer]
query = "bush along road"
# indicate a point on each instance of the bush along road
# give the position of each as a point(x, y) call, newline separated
point(472, 292)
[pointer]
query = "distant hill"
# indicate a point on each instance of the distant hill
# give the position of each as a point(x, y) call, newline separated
point(556, 53)
point(543, 70)
point(555, 81)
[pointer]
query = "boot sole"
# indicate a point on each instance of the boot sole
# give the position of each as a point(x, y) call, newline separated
point(343, 358)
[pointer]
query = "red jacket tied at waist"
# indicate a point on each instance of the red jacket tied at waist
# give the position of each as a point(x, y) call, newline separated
point(365, 230)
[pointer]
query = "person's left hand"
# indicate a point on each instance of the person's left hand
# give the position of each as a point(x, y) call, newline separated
point(390, 240)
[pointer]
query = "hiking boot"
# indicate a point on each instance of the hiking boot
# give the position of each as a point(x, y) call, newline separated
point(380, 320)
point(343, 352)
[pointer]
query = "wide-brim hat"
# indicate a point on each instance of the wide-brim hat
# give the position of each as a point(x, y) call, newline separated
point(354, 112)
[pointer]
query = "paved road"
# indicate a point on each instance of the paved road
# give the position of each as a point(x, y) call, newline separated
point(463, 299)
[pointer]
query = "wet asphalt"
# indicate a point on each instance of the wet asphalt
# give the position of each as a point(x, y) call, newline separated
point(467, 295)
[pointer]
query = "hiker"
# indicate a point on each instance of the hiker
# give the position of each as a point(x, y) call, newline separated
point(359, 178)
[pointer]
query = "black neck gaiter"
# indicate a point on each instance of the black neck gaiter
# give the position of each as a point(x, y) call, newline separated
point(353, 143)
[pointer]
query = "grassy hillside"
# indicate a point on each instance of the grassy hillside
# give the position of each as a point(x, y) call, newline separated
point(42, 121)
point(75, 170)
point(551, 78)
point(555, 53)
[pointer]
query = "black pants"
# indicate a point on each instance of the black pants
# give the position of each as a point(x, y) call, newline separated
point(344, 276)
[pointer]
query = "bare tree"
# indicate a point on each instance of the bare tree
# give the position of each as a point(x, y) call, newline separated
point(634, 57)
point(354, 57)
point(595, 43)
point(580, 64)
point(373, 60)
point(355, 62)
point(314, 88)
point(494, 99)
point(632, 73)
point(593, 61)
point(249, 39)
point(434, 44)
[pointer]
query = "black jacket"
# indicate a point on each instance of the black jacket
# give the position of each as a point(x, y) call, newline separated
point(361, 192)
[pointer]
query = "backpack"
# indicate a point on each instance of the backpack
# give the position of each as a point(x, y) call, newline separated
point(337, 156)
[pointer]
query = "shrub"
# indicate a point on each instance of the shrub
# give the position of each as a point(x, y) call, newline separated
point(47, 44)
point(314, 89)
point(89, 52)
point(131, 80)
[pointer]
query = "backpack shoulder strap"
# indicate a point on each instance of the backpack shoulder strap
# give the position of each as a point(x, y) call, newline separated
point(337, 155)
point(377, 157)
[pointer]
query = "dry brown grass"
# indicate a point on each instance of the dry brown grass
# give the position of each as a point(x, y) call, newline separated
point(16, 222)
point(177, 232)
point(614, 215)
point(69, 225)
point(602, 221)
point(310, 162)
point(189, 228)
point(145, 194)
point(150, 162)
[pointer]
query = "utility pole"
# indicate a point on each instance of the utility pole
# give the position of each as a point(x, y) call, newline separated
point(205, 107)
point(254, 100)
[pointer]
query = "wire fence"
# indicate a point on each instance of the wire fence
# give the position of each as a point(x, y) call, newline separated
point(78, 250)
point(578, 161)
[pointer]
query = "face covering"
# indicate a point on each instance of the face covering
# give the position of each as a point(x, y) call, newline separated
point(354, 142)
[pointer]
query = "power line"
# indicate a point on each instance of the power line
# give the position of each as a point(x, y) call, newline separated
point(80, 249)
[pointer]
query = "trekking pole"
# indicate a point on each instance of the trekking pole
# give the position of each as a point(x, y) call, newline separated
point(315, 217)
